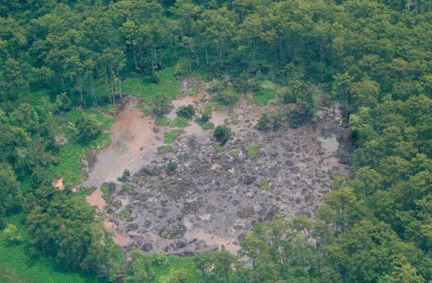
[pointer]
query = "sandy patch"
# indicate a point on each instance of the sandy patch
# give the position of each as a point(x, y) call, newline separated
point(95, 199)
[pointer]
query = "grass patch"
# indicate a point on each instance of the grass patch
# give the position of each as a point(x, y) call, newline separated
point(253, 150)
point(147, 90)
point(235, 154)
point(110, 108)
point(265, 185)
point(128, 188)
point(235, 121)
point(218, 148)
point(171, 135)
point(218, 105)
point(207, 126)
point(124, 214)
point(17, 265)
point(263, 97)
point(105, 193)
point(250, 134)
point(165, 149)
point(166, 273)
point(179, 122)
point(162, 122)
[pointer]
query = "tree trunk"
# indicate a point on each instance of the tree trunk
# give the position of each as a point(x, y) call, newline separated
point(119, 81)
point(135, 60)
point(207, 60)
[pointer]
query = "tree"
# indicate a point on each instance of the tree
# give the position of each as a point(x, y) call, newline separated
point(186, 111)
point(88, 128)
point(139, 268)
point(222, 133)
point(12, 234)
point(161, 105)
point(222, 264)
point(203, 261)
point(10, 193)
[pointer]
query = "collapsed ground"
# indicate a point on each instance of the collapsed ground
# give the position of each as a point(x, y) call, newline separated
point(216, 193)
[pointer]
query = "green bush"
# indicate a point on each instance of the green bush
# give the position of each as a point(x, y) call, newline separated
point(205, 115)
point(222, 133)
point(88, 128)
point(186, 111)
point(162, 122)
point(263, 122)
point(126, 174)
point(161, 105)
point(179, 122)
point(164, 149)
point(171, 166)
point(63, 103)
point(227, 97)
point(171, 135)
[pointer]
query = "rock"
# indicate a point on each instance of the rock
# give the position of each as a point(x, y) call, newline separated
point(246, 212)
point(191, 207)
point(175, 232)
point(241, 236)
point(272, 213)
point(147, 224)
point(117, 204)
point(131, 227)
point(247, 180)
point(147, 247)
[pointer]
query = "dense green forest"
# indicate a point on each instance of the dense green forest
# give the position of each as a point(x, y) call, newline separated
point(61, 58)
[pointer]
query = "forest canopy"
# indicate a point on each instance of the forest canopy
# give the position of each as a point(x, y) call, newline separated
point(59, 58)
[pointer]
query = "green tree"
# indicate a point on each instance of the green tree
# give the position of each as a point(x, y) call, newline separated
point(88, 128)
point(222, 133)
point(10, 194)
point(204, 261)
point(12, 235)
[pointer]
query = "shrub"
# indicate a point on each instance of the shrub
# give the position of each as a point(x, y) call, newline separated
point(206, 115)
point(88, 128)
point(263, 122)
point(161, 105)
point(222, 133)
point(63, 103)
point(186, 111)
point(171, 166)
point(164, 149)
point(227, 97)
point(126, 174)
point(162, 122)
point(179, 122)
point(171, 135)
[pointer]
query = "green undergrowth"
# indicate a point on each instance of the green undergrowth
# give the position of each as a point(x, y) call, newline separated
point(263, 97)
point(171, 135)
point(128, 188)
point(206, 126)
point(19, 266)
point(144, 87)
point(253, 150)
point(166, 273)
point(165, 149)
point(179, 122)
point(124, 214)
point(218, 147)
point(218, 105)
point(162, 122)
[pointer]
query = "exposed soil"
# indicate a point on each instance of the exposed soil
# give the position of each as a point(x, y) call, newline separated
point(212, 198)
